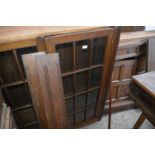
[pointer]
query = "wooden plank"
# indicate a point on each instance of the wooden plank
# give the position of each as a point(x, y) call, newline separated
point(52, 88)
point(31, 73)
point(46, 89)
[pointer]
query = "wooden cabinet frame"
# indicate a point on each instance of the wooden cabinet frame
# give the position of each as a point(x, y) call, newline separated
point(27, 43)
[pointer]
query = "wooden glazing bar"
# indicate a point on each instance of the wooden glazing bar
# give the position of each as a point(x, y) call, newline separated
point(81, 93)
point(21, 72)
point(30, 124)
point(13, 84)
point(84, 123)
point(83, 109)
point(89, 75)
point(18, 64)
point(27, 106)
point(74, 80)
point(82, 70)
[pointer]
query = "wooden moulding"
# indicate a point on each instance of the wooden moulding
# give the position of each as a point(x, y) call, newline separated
point(46, 89)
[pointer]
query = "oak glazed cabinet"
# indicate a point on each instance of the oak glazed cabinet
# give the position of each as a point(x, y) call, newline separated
point(16, 41)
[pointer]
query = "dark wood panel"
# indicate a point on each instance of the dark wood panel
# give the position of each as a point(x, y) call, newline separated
point(46, 87)
point(121, 78)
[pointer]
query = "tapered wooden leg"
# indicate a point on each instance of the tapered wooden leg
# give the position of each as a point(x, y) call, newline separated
point(139, 121)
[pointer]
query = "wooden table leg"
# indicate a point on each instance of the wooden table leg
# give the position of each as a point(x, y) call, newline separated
point(139, 121)
point(110, 104)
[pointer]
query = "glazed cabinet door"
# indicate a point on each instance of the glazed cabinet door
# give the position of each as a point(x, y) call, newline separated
point(86, 60)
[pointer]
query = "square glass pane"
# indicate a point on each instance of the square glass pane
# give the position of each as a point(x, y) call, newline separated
point(80, 102)
point(8, 68)
point(27, 116)
point(22, 51)
point(96, 75)
point(99, 45)
point(79, 117)
point(90, 113)
point(81, 81)
point(92, 97)
point(19, 95)
point(82, 54)
point(69, 105)
point(68, 85)
point(70, 120)
point(66, 56)
point(17, 119)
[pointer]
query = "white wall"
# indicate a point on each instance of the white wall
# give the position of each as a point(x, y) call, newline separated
point(147, 28)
